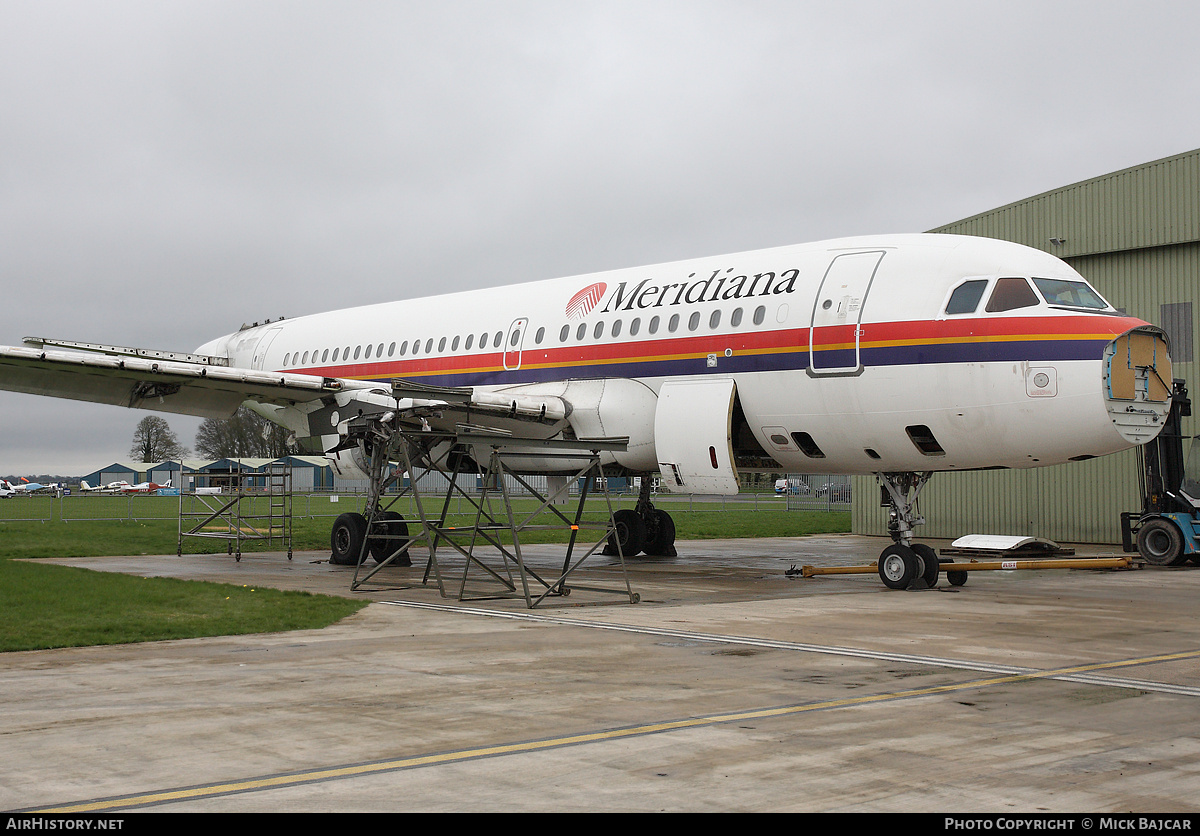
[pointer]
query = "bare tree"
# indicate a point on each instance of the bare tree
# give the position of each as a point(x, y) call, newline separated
point(155, 441)
point(246, 435)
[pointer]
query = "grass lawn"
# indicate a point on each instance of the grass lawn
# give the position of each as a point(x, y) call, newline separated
point(44, 606)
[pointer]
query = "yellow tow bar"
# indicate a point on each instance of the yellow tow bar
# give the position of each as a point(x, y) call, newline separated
point(988, 566)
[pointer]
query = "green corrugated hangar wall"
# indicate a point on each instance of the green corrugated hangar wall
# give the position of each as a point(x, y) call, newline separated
point(1135, 235)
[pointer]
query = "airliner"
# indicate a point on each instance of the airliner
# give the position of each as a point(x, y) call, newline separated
point(894, 355)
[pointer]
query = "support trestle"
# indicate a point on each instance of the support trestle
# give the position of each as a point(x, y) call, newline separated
point(490, 547)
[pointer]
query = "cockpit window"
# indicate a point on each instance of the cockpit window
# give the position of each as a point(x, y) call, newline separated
point(1010, 294)
point(965, 298)
point(1070, 294)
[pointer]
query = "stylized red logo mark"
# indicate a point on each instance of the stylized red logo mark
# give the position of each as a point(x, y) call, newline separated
point(581, 303)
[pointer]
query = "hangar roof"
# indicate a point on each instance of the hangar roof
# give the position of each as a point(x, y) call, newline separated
point(1150, 205)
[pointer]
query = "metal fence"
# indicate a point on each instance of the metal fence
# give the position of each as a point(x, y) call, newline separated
point(805, 493)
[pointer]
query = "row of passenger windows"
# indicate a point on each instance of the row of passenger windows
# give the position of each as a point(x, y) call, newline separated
point(655, 323)
point(369, 352)
point(401, 349)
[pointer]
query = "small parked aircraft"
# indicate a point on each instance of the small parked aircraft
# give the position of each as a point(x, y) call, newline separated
point(111, 487)
point(145, 487)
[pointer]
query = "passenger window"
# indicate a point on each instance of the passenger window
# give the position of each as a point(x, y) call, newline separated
point(694, 321)
point(537, 338)
point(454, 343)
point(429, 345)
point(379, 350)
point(760, 313)
point(673, 323)
point(714, 319)
point(483, 341)
point(336, 352)
point(635, 326)
point(304, 361)
point(325, 356)
point(366, 356)
point(357, 351)
point(441, 345)
point(1011, 294)
point(581, 331)
point(616, 331)
point(735, 319)
point(391, 351)
point(403, 349)
point(965, 298)
point(416, 347)
point(470, 341)
point(598, 331)
point(564, 333)
point(653, 327)
point(499, 339)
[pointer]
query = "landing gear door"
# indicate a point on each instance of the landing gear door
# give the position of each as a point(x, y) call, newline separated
point(692, 434)
point(836, 332)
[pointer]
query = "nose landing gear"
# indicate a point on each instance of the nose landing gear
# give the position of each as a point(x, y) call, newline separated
point(905, 564)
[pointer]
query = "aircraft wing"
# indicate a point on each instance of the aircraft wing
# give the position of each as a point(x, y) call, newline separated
point(164, 385)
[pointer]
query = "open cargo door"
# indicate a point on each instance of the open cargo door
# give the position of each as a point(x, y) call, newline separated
point(692, 434)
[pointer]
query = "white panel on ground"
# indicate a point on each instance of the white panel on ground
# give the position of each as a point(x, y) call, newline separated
point(692, 426)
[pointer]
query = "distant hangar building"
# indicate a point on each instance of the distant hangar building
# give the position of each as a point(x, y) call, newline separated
point(1135, 235)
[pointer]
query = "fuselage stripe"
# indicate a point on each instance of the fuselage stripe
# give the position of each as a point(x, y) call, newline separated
point(879, 344)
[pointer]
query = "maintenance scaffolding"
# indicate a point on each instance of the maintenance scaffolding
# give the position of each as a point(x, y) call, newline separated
point(239, 512)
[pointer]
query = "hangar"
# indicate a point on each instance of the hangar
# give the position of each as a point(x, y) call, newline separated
point(1135, 235)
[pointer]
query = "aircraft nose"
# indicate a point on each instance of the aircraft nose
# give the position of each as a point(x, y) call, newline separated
point(1137, 382)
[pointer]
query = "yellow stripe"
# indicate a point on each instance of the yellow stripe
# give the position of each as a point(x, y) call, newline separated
point(591, 737)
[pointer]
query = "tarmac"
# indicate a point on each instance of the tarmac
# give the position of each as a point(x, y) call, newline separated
point(732, 685)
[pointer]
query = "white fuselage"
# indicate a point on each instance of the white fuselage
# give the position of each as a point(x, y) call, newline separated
point(843, 355)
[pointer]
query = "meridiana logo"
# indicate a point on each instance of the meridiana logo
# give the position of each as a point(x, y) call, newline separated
point(581, 303)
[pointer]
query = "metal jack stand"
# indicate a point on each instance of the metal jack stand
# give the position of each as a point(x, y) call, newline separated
point(388, 537)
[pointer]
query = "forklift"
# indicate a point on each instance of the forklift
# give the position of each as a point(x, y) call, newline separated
point(1167, 529)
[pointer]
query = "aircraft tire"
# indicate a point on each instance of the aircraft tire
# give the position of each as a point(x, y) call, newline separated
point(661, 541)
point(930, 559)
point(956, 578)
point(394, 524)
point(897, 566)
point(1160, 543)
point(346, 539)
point(629, 532)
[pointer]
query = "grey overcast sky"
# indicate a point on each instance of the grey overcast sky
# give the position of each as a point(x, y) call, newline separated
point(172, 169)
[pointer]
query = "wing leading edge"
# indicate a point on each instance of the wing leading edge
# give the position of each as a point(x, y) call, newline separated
point(188, 388)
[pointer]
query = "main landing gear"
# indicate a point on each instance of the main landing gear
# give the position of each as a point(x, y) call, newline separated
point(905, 564)
point(349, 531)
point(643, 528)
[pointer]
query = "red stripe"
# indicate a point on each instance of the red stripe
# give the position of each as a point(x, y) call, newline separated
point(792, 339)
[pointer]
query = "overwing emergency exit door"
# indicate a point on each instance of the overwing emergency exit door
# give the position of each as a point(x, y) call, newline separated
point(512, 344)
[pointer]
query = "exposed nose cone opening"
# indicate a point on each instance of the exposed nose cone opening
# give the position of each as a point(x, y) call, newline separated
point(1137, 383)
